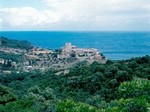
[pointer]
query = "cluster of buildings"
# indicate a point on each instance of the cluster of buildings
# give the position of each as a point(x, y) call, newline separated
point(44, 59)
point(88, 54)
point(12, 50)
point(6, 63)
point(36, 52)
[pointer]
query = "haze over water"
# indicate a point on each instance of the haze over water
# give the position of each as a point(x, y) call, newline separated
point(114, 45)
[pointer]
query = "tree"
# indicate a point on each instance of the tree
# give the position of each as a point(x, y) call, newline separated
point(71, 106)
point(128, 105)
point(6, 95)
point(138, 87)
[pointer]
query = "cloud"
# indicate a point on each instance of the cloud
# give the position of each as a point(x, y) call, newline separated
point(56, 3)
point(82, 14)
point(27, 16)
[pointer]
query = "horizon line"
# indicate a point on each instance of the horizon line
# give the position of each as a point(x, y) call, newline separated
point(71, 31)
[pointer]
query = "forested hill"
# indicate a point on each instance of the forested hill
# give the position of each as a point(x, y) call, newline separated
point(5, 42)
point(117, 86)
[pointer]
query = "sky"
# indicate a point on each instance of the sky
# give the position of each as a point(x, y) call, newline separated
point(75, 15)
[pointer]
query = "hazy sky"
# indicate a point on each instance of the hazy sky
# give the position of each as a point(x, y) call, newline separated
point(102, 15)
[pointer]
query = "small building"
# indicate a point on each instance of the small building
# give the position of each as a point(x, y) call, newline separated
point(31, 56)
point(6, 72)
point(80, 53)
point(2, 61)
point(38, 51)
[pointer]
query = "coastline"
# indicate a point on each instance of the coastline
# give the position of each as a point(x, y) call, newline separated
point(115, 45)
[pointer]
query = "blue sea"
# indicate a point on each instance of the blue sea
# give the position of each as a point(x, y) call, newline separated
point(114, 45)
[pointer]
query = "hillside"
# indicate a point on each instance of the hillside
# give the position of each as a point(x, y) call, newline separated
point(117, 86)
point(10, 43)
point(21, 56)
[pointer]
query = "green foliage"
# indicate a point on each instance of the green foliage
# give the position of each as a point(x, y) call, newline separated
point(136, 88)
point(5, 79)
point(129, 105)
point(110, 87)
point(15, 43)
point(19, 106)
point(6, 95)
point(44, 101)
point(71, 106)
point(13, 57)
point(35, 101)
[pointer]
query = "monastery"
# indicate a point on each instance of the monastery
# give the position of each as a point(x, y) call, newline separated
point(89, 54)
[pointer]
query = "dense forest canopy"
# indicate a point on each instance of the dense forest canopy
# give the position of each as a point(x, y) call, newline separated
point(117, 86)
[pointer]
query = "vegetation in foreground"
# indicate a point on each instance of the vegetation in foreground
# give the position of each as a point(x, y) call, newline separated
point(117, 86)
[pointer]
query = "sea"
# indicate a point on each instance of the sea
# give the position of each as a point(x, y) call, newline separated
point(114, 45)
